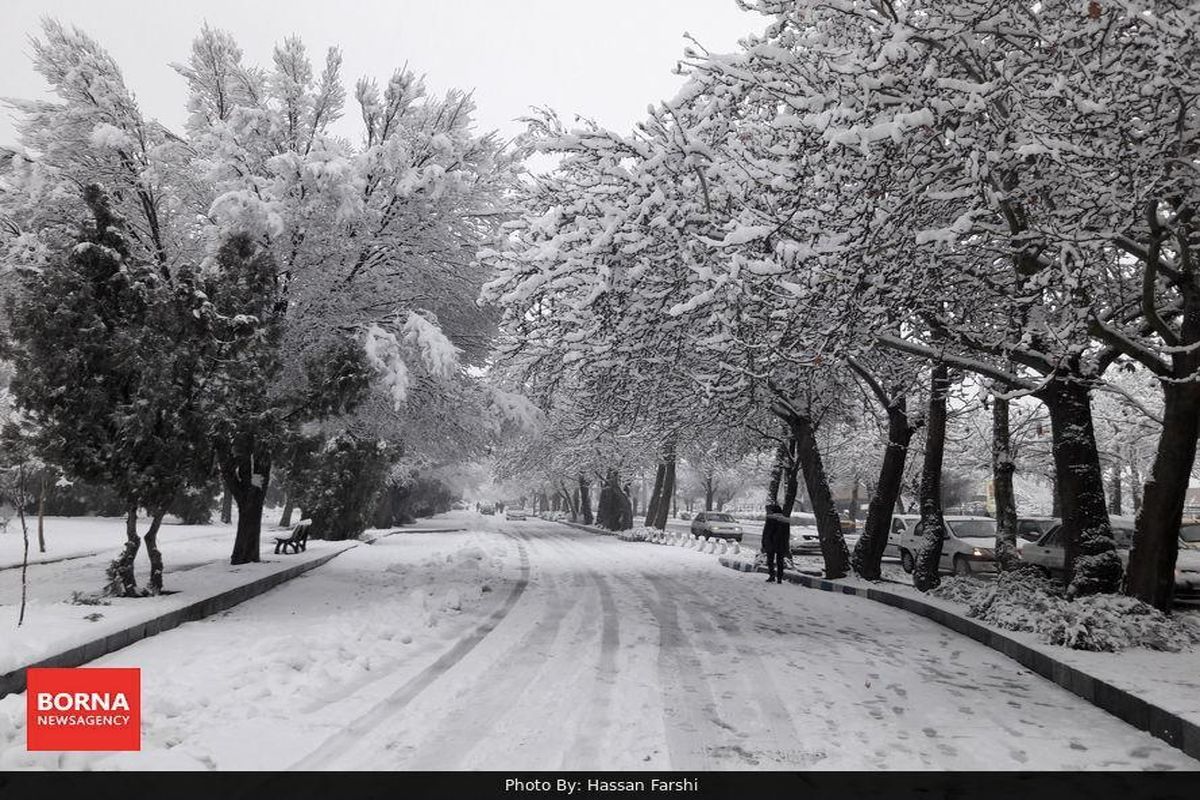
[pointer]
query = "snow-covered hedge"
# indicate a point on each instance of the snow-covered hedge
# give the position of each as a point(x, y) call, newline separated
point(1026, 601)
point(639, 534)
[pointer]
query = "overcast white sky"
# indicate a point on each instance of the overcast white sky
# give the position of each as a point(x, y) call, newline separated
point(606, 59)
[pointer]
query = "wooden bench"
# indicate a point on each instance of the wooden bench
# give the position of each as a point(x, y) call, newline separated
point(297, 542)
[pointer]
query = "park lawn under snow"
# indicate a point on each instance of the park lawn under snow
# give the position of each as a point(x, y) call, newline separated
point(289, 668)
point(196, 565)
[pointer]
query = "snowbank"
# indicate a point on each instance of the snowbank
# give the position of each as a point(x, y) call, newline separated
point(1026, 601)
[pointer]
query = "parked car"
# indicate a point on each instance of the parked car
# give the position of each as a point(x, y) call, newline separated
point(684, 515)
point(968, 545)
point(1050, 554)
point(511, 513)
point(1187, 563)
point(1050, 551)
point(717, 525)
point(487, 508)
point(805, 538)
point(1031, 529)
point(900, 523)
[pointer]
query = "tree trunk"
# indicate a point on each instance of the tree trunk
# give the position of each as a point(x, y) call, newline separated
point(121, 580)
point(667, 492)
point(656, 495)
point(1055, 496)
point(791, 479)
point(1135, 483)
point(226, 506)
point(708, 492)
point(604, 505)
point(585, 502)
point(1003, 468)
point(931, 530)
point(1151, 574)
point(25, 540)
point(829, 527)
point(777, 469)
point(1114, 489)
point(626, 507)
point(1092, 562)
point(42, 514)
point(156, 562)
point(285, 520)
point(868, 553)
point(246, 469)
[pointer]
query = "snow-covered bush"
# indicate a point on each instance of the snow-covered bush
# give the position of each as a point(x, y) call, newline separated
point(639, 534)
point(1026, 601)
point(337, 484)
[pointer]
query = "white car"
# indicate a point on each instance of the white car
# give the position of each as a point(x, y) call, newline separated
point(716, 525)
point(805, 538)
point(514, 513)
point(900, 524)
point(1050, 554)
point(968, 545)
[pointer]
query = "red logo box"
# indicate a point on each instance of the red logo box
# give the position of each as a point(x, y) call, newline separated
point(83, 709)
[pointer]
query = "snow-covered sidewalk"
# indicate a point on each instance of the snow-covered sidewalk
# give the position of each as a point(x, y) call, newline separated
point(63, 612)
point(1166, 680)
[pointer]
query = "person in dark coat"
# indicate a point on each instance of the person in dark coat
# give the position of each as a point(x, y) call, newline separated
point(776, 541)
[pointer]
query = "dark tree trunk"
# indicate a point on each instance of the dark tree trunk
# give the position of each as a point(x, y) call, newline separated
point(226, 506)
point(829, 527)
point(791, 480)
point(868, 553)
point(42, 514)
point(1003, 468)
point(626, 507)
point(777, 469)
point(1092, 562)
point(604, 505)
point(155, 555)
point(122, 582)
point(246, 469)
point(931, 530)
point(1114, 490)
point(656, 495)
point(667, 492)
point(285, 519)
point(585, 501)
point(1055, 496)
point(1134, 483)
point(708, 492)
point(1151, 574)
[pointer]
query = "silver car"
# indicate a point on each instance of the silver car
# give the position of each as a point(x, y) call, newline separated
point(968, 545)
point(1050, 554)
point(716, 525)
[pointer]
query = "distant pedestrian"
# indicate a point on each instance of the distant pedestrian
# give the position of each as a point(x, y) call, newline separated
point(776, 541)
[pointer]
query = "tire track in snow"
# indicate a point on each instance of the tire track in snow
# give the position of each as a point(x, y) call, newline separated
point(542, 662)
point(479, 709)
point(348, 738)
point(723, 641)
point(597, 719)
point(686, 696)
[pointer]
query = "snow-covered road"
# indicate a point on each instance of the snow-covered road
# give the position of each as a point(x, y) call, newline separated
point(530, 645)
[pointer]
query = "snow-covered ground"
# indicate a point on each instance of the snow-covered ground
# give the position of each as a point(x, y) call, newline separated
point(195, 563)
point(530, 645)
